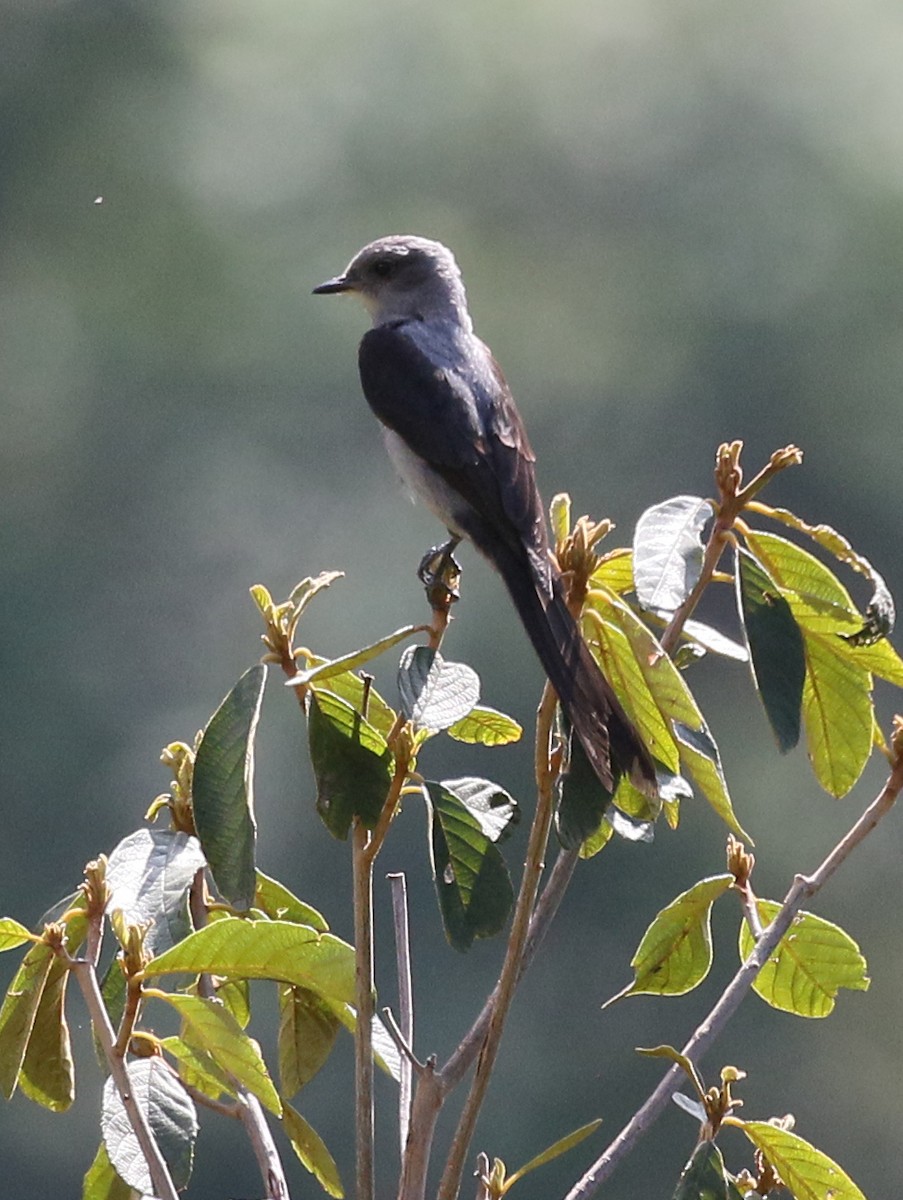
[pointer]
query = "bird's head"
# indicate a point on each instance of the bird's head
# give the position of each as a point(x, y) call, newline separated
point(402, 278)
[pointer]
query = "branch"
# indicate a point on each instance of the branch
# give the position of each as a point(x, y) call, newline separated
point(362, 871)
point(803, 888)
point(251, 1116)
point(517, 941)
point(398, 885)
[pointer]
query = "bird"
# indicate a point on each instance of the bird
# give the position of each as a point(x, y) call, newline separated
point(454, 433)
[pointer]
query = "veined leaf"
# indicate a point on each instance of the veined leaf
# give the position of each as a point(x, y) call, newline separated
point(702, 762)
point(12, 934)
point(807, 1173)
point(276, 950)
point(560, 517)
point(223, 789)
point(675, 953)
point(839, 716)
point(352, 764)
point(170, 1114)
point(17, 1016)
point(329, 668)
point(198, 1069)
point(47, 1074)
point(149, 874)
point(496, 812)
point(435, 694)
point(775, 647)
point(812, 962)
point(275, 899)
point(312, 1152)
point(472, 881)
point(350, 687)
point(614, 572)
point(101, 1181)
point(486, 727)
point(215, 1030)
point(667, 551)
point(308, 1028)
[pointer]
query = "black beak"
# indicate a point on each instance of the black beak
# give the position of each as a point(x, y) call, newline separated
point(339, 284)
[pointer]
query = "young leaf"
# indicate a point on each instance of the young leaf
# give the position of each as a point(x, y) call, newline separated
point(352, 764)
point(486, 727)
point(47, 1075)
point(435, 693)
point(12, 934)
point(275, 899)
point(614, 572)
point(198, 1069)
point(149, 874)
point(17, 1016)
point(101, 1182)
point(349, 686)
point(328, 668)
point(215, 1030)
point(223, 789)
point(496, 811)
point(560, 516)
point(667, 551)
point(554, 1151)
point(705, 1176)
point(839, 717)
point(807, 1173)
point(675, 953)
point(307, 1032)
point(170, 1114)
point(812, 962)
point(311, 1150)
point(472, 881)
point(265, 950)
point(775, 646)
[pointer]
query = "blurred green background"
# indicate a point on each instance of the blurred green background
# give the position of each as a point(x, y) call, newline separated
point(679, 222)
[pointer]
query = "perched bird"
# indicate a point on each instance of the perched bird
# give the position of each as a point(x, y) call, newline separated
point(454, 433)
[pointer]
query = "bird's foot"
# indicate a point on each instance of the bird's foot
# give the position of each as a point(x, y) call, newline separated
point(440, 573)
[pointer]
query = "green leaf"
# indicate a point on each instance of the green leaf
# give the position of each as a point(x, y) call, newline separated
point(307, 1032)
point(807, 1173)
point(101, 1181)
point(170, 1114)
point(352, 764)
point(675, 953)
point(435, 694)
point(198, 1069)
point(614, 572)
point(385, 1052)
point(311, 1150)
point(486, 727)
point(472, 881)
point(812, 962)
point(17, 1016)
point(583, 801)
point(839, 717)
point(265, 950)
point(775, 645)
point(350, 687)
point(236, 995)
point(223, 789)
point(214, 1029)
point(275, 899)
point(47, 1074)
point(700, 758)
point(597, 841)
point(554, 1151)
point(667, 551)
point(560, 516)
point(880, 658)
point(705, 1176)
point(149, 874)
point(12, 934)
point(328, 668)
point(496, 812)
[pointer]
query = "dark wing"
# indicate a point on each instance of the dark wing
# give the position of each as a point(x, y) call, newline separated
point(464, 423)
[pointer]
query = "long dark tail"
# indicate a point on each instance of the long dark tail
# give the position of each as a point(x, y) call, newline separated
point(612, 743)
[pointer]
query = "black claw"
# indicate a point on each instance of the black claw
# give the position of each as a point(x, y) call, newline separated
point(439, 571)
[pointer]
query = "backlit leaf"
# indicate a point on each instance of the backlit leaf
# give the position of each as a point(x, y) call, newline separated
point(328, 668)
point(312, 1152)
point(307, 1032)
point(838, 714)
point(275, 899)
point(486, 727)
point(807, 1173)
point(352, 764)
point(101, 1181)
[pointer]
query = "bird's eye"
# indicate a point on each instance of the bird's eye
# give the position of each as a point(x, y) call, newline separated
point(383, 267)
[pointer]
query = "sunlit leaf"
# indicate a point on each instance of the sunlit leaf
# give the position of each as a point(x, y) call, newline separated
point(667, 551)
point(215, 1030)
point(311, 1150)
point(223, 789)
point(775, 645)
point(496, 812)
point(614, 572)
point(807, 1173)
point(812, 962)
point(385, 1052)
point(307, 1032)
point(276, 950)
point(839, 716)
point(435, 694)
point(17, 1016)
point(12, 934)
point(47, 1074)
point(560, 516)
point(149, 874)
point(170, 1114)
point(472, 881)
point(486, 727)
point(350, 687)
point(700, 759)
point(554, 1151)
point(352, 764)
point(675, 953)
point(198, 1069)
point(328, 668)
point(101, 1181)
point(275, 899)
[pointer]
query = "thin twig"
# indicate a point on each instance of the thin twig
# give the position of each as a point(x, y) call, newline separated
point(161, 1179)
point(399, 890)
point(258, 1131)
point(803, 888)
point(511, 968)
point(362, 871)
